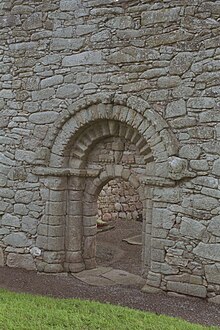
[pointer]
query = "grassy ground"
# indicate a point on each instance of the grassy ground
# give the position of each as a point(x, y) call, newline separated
point(24, 311)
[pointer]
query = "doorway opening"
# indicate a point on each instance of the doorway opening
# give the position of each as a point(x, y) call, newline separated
point(119, 227)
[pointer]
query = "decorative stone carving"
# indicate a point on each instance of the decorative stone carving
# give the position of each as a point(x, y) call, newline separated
point(178, 169)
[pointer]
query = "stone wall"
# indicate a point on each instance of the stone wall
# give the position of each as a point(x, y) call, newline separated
point(160, 62)
point(118, 200)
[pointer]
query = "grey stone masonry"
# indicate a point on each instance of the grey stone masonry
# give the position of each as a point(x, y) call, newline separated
point(102, 90)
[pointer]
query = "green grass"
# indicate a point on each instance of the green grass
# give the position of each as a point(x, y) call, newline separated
point(24, 311)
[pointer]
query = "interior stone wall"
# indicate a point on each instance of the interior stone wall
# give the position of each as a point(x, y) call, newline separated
point(154, 66)
point(118, 200)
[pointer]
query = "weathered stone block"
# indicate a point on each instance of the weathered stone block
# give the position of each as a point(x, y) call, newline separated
point(199, 165)
point(69, 5)
point(56, 243)
point(176, 108)
point(190, 151)
point(53, 268)
point(185, 278)
point(90, 247)
point(159, 16)
point(171, 195)
point(20, 209)
point(157, 96)
point(208, 251)
point(43, 94)
point(206, 181)
point(2, 262)
point(6, 193)
point(100, 36)
point(33, 22)
point(201, 102)
point(216, 167)
point(22, 9)
point(200, 202)
point(163, 268)
point(168, 38)
point(154, 73)
point(53, 257)
point(74, 257)
point(84, 58)
point(168, 82)
point(211, 192)
point(188, 289)
point(51, 81)
point(162, 218)
point(154, 279)
point(23, 196)
point(184, 92)
point(68, 91)
point(9, 21)
point(131, 54)
point(82, 30)
point(157, 255)
point(10, 220)
point(121, 22)
point(20, 261)
point(192, 228)
point(45, 117)
point(51, 59)
point(181, 63)
point(212, 273)
point(214, 226)
point(64, 44)
point(215, 300)
point(16, 240)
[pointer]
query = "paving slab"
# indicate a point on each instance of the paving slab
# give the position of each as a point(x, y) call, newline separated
point(93, 276)
point(92, 272)
point(95, 280)
point(134, 240)
point(105, 276)
point(122, 277)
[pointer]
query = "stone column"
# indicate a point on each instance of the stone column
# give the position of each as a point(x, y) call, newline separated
point(50, 231)
point(146, 231)
point(74, 225)
point(90, 214)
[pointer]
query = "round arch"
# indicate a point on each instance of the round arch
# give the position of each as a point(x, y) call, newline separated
point(132, 111)
point(102, 129)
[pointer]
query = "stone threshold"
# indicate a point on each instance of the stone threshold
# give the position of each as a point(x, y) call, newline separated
point(107, 276)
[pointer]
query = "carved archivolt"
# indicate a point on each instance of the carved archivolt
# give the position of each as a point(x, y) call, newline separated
point(150, 130)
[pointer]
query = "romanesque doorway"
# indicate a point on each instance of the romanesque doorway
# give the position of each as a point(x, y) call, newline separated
point(119, 227)
point(98, 142)
point(119, 154)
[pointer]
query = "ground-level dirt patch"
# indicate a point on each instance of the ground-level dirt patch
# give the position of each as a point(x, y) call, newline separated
point(113, 251)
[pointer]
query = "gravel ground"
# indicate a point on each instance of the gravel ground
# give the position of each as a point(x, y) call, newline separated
point(120, 255)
